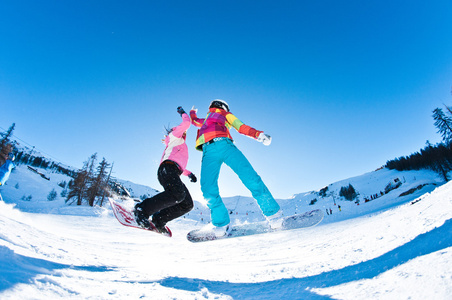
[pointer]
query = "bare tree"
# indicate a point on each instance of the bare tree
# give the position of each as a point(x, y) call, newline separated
point(5, 144)
point(99, 183)
point(78, 188)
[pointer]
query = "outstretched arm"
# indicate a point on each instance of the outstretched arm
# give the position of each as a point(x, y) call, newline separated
point(194, 118)
point(179, 130)
point(258, 135)
point(241, 127)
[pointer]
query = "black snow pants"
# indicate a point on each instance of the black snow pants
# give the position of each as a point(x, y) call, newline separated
point(173, 202)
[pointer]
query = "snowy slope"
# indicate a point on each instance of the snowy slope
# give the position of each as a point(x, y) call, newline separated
point(25, 184)
point(389, 248)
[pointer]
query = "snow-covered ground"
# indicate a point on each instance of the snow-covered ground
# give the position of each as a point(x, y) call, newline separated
point(388, 248)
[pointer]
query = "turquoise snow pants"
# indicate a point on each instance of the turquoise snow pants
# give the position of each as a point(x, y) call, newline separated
point(224, 151)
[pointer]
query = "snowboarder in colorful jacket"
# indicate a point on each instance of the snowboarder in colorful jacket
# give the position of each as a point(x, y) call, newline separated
point(176, 200)
point(5, 169)
point(215, 141)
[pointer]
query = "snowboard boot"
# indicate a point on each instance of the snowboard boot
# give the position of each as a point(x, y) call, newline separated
point(141, 217)
point(221, 230)
point(162, 229)
point(275, 221)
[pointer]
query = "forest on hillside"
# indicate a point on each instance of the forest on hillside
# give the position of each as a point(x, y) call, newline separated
point(434, 157)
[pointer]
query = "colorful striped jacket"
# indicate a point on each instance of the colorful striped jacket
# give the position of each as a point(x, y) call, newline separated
point(217, 124)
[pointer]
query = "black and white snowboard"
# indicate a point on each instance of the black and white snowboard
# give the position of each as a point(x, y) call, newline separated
point(305, 220)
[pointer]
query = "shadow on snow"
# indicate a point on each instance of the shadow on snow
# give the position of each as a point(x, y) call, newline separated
point(16, 268)
point(299, 288)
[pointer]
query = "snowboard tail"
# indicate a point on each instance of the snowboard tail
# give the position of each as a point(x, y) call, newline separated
point(305, 220)
point(125, 216)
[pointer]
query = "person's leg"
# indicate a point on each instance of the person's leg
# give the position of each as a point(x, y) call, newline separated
point(170, 213)
point(235, 159)
point(174, 191)
point(210, 171)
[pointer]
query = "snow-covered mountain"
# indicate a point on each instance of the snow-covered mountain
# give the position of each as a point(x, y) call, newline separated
point(393, 244)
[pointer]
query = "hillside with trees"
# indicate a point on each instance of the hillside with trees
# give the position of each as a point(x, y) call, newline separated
point(434, 157)
point(89, 185)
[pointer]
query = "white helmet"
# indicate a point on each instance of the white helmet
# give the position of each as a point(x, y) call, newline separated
point(218, 103)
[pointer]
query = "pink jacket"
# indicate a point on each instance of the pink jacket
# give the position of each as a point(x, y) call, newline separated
point(176, 150)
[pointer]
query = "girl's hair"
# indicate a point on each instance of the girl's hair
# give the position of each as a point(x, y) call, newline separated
point(168, 129)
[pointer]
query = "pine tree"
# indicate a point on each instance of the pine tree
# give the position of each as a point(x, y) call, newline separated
point(442, 160)
point(449, 109)
point(5, 136)
point(52, 195)
point(443, 123)
point(348, 192)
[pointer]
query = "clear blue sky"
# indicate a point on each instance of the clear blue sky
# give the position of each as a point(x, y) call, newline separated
point(341, 86)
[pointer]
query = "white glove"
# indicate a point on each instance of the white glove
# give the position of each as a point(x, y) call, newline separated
point(264, 139)
point(195, 109)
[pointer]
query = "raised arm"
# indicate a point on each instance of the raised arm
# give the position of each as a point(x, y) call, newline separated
point(179, 130)
point(194, 118)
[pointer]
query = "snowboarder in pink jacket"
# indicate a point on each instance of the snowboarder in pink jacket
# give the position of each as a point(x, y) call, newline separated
point(175, 201)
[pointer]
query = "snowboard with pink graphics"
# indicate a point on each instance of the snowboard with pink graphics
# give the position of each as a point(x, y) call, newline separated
point(125, 216)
